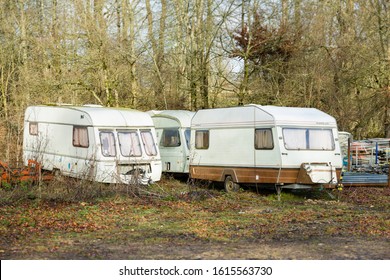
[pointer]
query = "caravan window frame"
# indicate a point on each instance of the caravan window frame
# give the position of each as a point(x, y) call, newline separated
point(205, 139)
point(111, 146)
point(33, 128)
point(150, 146)
point(305, 139)
point(79, 143)
point(173, 140)
point(264, 147)
point(135, 149)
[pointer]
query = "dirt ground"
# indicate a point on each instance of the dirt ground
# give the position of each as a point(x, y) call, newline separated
point(335, 248)
point(331, 249)
point(357, 228)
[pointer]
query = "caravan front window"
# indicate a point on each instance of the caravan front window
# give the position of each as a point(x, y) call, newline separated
point(107, 140)
point(170, 137)
point(129, 143)
point(80, 137)
point(147, 139)
point(308, 139)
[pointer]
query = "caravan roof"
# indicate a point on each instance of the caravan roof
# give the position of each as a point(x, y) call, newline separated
point(182, 116)
point(97, 116)
point(294, 115)
point(256, 114)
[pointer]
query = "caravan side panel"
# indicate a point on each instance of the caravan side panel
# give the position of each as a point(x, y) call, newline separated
point(53, 147)
point(219, 138)
point(238, 144)
point(68, 139)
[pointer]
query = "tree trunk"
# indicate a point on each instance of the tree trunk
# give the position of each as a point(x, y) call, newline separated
point(243, 87)
point(157, 52)
point(284, 20)
point(207, 45)
point(133, 78)
point(24, 51)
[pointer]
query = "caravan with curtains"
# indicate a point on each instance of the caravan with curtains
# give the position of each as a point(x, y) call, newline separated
point(283, 146)
point(100, 144)
point(173, 128)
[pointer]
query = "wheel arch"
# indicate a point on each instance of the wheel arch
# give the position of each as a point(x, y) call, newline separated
point(229, 172)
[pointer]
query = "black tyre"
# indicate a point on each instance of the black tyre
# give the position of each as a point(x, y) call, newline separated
point(57, 173)
point(230, 185)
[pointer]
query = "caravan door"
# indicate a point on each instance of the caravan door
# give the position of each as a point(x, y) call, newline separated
point(80, 163)
point(266, 149)
point(173, 150)
point(267, 158)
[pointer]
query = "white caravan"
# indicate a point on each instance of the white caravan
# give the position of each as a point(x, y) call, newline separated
point(93, 142)
point(173, 129)
point(253, 144)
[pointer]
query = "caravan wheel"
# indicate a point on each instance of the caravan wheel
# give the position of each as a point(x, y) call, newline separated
point(230, 186)
point(56, 172)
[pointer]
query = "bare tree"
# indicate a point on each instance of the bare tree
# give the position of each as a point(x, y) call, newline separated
point(381, 11)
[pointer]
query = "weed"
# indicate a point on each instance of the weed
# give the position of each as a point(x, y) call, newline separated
point(6, 186)
point(285, 197)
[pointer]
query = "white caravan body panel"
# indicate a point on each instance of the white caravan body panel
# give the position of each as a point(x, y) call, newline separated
point(100, 144)
point(265, 144)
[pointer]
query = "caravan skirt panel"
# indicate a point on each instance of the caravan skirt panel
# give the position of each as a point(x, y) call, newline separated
point(248, 175)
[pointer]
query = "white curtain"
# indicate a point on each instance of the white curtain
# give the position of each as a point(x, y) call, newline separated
point(202, 139)
point(263, 139)
point(294, 139)
point(321, 139)
point(107, 140)
point(80, 137)
point(130, 144)
point(308, 139)
point(147, 139)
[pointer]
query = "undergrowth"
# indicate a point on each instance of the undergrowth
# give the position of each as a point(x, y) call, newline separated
point(65, 189)
point(174, 210)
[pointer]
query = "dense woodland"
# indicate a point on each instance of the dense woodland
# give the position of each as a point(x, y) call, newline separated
point(333, 55)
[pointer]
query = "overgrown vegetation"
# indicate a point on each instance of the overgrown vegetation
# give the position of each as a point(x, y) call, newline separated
point(49, 220)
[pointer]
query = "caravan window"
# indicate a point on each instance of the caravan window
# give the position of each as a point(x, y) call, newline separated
point(80, 137)
point(263, 139)
point(308, 139)
point(129, 143)
point(107, 140)
point(33, 128)
point(202, 139)
point(147, 139)
point(170, 138)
